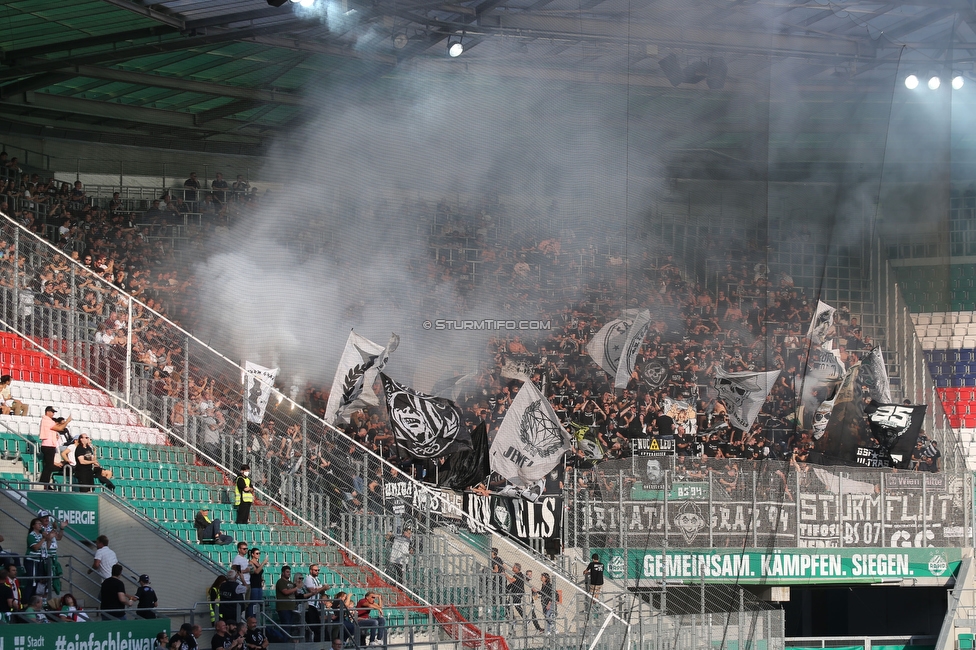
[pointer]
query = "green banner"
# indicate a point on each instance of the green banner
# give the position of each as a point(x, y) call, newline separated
point(79, 510)
point(679, 491)
point(121, 635)
point(786, 566)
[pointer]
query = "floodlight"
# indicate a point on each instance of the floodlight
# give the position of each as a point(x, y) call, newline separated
point(934, 82)
point(400, 40)
point(454, 47)
point(957, 82)
point(911, 82)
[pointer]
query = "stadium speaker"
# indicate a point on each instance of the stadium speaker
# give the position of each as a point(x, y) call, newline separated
point(672, 70)
point(276, 3)
point(717, 71)
point(695, 72)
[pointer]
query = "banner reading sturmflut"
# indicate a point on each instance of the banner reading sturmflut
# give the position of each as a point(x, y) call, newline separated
point(530, 441)
point(258, 382)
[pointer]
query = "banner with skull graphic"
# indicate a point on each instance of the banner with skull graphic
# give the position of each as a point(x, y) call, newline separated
point(744, 394)
point(423, 426)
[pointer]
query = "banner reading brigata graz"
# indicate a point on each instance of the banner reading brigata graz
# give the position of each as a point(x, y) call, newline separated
point(844, 513)
point(123, 635)
point(782, 566)
point(79, 510)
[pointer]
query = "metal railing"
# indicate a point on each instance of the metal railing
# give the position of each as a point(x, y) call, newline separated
point(204, 409)
point(708, 503)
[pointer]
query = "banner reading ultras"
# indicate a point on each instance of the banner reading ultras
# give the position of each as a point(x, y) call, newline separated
point(79, 510)
point(123, 635)
point(783, 566)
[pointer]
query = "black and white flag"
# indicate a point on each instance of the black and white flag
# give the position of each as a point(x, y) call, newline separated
point(423, 426)
point(896, 428)
point(744, 394)
point(530, 440)
point(874, 374)
point(655, 373)
point(469, 467)
point(607, 345)
point(258, 382)
point(632, 344)
point(451, 387)
point(352, 387)
point(823, 320)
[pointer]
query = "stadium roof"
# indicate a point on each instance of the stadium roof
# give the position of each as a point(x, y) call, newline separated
point(224, 75)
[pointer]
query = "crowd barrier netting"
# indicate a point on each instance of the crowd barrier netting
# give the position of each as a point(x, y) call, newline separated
point(315, 473)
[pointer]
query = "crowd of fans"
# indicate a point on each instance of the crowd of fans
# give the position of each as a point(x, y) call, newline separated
point(747, 318)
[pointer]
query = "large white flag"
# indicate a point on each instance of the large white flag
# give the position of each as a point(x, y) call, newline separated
point(744, 394)
point(607, 345)
point(530, 441)
point(360, 363)
point(823, 320)
point(628, 355)
point(258, 382)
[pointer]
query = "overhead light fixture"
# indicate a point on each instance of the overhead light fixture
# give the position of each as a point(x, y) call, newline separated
point(454, 47)
point(400, 40)
point(957, 82)
point(718, 70)
point(672, 69)
point(911, 82)
point(276, 3)
point(934, 82)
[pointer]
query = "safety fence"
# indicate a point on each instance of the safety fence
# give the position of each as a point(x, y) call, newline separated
point(198, 399)
point(685, 502)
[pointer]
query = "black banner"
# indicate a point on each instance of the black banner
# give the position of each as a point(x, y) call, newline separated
point(896, 428)
point(515, 517)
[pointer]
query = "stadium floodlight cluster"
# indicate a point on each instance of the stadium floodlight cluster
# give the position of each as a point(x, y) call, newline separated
point(935, 82)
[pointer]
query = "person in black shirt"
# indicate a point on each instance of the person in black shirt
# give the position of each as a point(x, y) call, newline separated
point(146, 597)
point(664, 424)
point(113, 596)
point(547, 598)
point(222, 639)
point(232, 593)
point(6, 594)
point(254, 638)
point(594, 571)
point(515, 590)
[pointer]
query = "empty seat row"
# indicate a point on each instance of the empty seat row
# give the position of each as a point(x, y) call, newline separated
point(30, 426)
point(938, 318)
point(967, 355)
point(962, 330)
point(946, 343)
point(957, 394)
point(31, 391)
point(955, 381)
point(85, 413)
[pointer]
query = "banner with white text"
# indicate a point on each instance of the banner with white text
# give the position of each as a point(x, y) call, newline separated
point(788, 566)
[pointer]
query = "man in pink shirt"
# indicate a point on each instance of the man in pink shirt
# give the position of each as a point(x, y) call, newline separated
point(49, 443)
